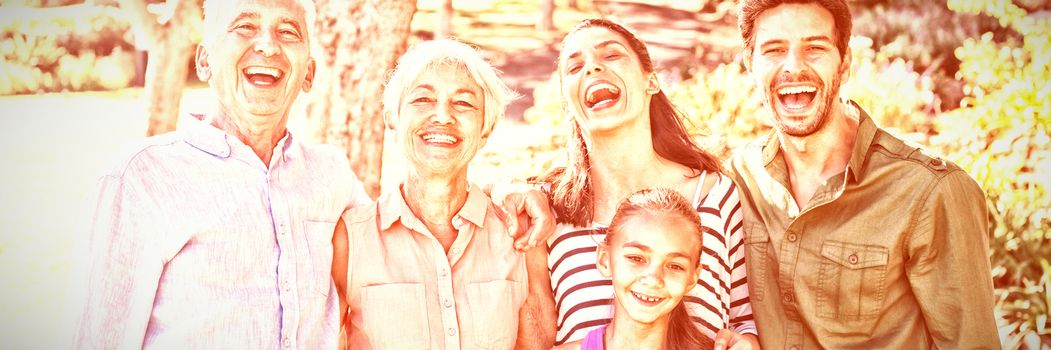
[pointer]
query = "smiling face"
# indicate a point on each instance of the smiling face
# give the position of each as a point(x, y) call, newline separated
point(440, 120)
point(653, 262)
point(258, 57)
point(797, 67)
point(603, 83)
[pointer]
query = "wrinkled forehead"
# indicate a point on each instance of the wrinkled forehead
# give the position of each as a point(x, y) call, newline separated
point(788, 22)
point(227, 11)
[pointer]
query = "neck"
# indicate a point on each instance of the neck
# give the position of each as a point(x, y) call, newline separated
point(623, 161)
point(626, 333)
point(258, 132)
point(435, 199)
point(827, 151)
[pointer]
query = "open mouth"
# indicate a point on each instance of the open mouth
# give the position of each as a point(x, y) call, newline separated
point(262, 76)
point(646, 299)
point(796, 98)
point(601, 95)
point(440, 139)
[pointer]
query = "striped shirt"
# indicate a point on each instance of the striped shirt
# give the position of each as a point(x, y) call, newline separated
point(196, 243)
point(584, 298)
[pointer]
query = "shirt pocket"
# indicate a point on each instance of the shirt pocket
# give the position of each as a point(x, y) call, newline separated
point(319, 263)
point(850, 283)
point(757, 241)
point(493, 314)
point(394, 316)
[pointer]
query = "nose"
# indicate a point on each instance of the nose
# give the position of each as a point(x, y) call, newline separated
point(793, 64)
point(653, 276)
point(443, 114)
point(593, 68)
point(266, 45)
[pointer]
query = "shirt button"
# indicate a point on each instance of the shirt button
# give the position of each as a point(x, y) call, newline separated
point(792, 237)
point(787, 297)
point(287, 286)
point(286, 342)
point(793, 347)
point(451, 332)
point(443, 272)
point(456, 251)
point(448, 303)
point(853, 258)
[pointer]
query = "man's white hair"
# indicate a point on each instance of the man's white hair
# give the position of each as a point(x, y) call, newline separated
point(213, 27)
point(445, 54)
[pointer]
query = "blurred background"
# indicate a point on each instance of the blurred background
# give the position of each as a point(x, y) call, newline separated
point(80, 80)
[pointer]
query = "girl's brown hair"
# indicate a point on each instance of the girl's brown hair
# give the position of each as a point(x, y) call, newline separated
point(682, 332)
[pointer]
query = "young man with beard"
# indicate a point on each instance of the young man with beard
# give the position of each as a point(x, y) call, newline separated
point(853, 238)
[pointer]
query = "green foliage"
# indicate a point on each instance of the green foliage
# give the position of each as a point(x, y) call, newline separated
point(722, 108)
point(888, 88)
point(73, 48)
point(1007, 99)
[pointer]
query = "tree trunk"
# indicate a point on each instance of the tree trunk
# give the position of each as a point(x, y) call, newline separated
point(547, 13)
point(444, 26)
point(356, 43)
point(169, 50)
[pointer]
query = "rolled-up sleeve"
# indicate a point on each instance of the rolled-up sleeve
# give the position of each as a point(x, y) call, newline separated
point(113, 296)
point(948, 265)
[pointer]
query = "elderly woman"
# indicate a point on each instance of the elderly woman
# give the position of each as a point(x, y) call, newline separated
point(430, 264)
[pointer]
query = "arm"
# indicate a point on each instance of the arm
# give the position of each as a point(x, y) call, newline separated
point(948, 265)
point(116, 279)
point(536, 319)
point(516, 197)
point(340, 255)
point(742, 333)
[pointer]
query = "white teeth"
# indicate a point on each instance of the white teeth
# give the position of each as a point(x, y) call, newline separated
point(796, 90)
point(600, 86)
point(440, 138)
point(646, 298)
point(273, 72)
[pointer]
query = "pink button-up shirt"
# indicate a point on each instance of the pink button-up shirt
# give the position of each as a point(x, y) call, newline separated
point(195, 243)
point(405, 292)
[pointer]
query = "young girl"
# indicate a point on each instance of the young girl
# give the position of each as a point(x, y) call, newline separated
point(652, 254)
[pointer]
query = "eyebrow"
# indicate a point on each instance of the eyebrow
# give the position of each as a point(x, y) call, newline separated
point(599, 46)
point(645, 248)
point(430, 87)
point(245, 15)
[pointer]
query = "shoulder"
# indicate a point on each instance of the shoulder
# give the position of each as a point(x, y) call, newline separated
point(147, 152)
point(913, 157)
point(360, 216)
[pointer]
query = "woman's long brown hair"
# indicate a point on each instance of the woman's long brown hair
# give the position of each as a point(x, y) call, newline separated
point(570, 186)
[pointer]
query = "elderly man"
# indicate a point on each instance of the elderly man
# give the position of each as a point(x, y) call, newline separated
point(854, 239)
point(219, 235)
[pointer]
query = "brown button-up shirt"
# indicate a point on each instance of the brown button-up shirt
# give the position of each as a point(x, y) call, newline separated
point(890, 254)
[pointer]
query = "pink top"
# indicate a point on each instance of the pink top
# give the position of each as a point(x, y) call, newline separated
point(195, 243)
point(405, 292)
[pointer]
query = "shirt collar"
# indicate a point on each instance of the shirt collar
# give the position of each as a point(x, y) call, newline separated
point(393, 208)
point(204, 136)
point(858, 156)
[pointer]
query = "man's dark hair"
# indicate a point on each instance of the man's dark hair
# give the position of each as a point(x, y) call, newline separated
point(749, 10)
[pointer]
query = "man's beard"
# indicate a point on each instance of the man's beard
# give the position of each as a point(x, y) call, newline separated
point(826, 98)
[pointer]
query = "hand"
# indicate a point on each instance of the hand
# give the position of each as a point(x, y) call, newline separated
point(729, 340)
point(526, 212)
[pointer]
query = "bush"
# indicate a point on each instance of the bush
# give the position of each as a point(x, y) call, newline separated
point(1007, 89)
point(71, 48)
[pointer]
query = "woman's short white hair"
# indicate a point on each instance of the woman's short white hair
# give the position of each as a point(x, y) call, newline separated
point(441, 54)
point(212, 27)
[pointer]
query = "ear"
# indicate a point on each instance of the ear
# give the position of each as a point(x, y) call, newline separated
point(308, 80)
point(603, 263)
point(746, 60)
point(653, 85)
point(204, 70)
point(844, 67)
point(388, 120)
